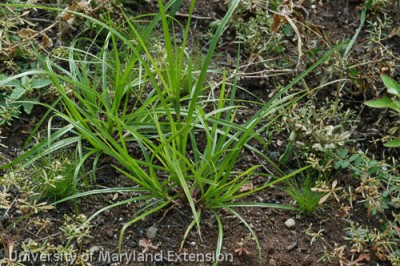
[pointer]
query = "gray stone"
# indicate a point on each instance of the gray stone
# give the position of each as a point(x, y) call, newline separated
point(151, 232)
point(290, 223)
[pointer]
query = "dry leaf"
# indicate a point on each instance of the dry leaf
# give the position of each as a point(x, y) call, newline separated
point(246, 187)
point(26, 33)
point(324, 198)
point(330, 191)
point(242, 250)
point(361, 258)
point(397, 230)
point(229, 60)
point(68, 17)
point(84, 6)
point(147, 245)
point(46, 41)
point(394, 32)
point(277, 20)
point(115, 197)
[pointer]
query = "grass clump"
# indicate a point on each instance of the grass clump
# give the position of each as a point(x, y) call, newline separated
point(301, 191)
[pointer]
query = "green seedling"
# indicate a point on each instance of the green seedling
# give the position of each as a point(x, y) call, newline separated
point(18, 95)
point(301, 191)
point(393, 103)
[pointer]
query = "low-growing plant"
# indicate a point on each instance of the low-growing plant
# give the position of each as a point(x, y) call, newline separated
point(300, 190)
point(379, 187)
point(379, 30)
point(252, 25)
point(55, 180)
point(10, 22)
point(72, 233)
point(315, 130)
point(17, 94)
point(75, 229)
point(384, 244)
point(315, 133)
point(392, 103)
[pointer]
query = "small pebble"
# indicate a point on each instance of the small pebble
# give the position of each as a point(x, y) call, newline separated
point(151, 232)
point(272, 262)
point(109, 233)
point(95, 249)
point(290, 223)
point(291, 246)
point(115, 197)
point(87, 241)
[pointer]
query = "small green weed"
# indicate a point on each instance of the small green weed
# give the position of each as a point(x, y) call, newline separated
point(55, 180)
point(301, 191)
point(384, 244)
point(252, 25)
point(20, 94)
point(380, 187)
point(314, 133)
point(393, 103)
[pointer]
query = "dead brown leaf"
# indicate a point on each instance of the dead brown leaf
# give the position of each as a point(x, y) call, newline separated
point(242, 250)
point(26, 33)
point(277, 20)
point(68, 17)
point(147, 245)
point(394, 32)
point(46, 41)
point(246, 187)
